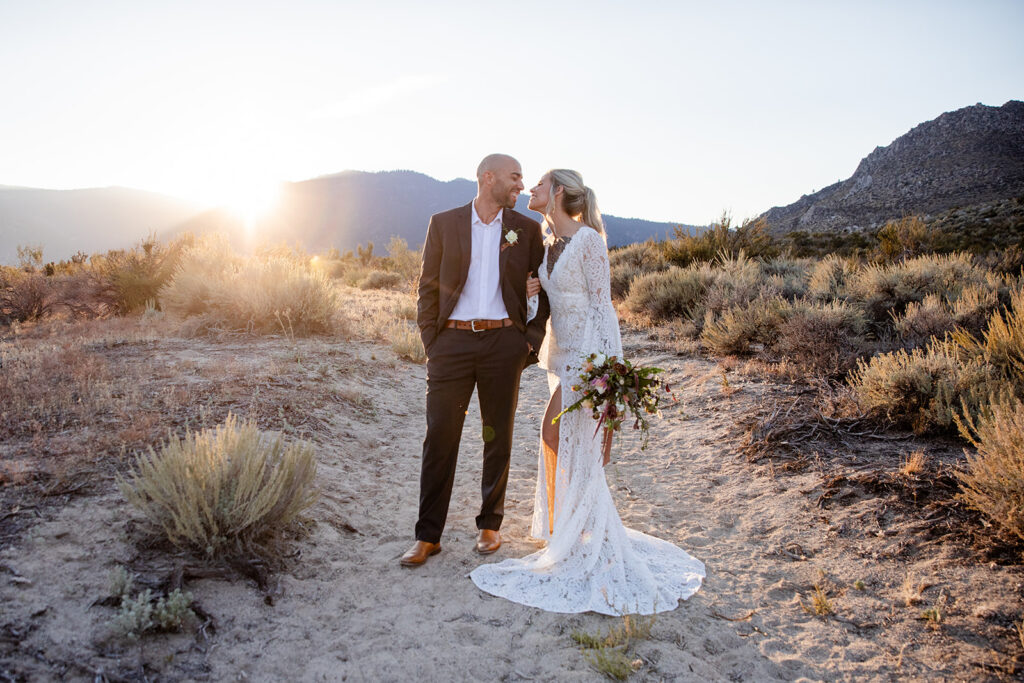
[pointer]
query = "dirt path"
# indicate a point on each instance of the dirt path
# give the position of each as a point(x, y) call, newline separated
point(347, 611)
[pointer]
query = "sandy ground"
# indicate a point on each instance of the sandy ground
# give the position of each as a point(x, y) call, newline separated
point(345, 610)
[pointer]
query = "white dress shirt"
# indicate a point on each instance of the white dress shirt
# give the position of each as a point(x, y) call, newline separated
point(481, 295)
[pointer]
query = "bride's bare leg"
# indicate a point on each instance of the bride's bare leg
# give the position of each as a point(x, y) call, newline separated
point(549, 440)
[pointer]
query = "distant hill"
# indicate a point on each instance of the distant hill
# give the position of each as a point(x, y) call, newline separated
point(962, 158)
point(353, 207)
point(89, 220)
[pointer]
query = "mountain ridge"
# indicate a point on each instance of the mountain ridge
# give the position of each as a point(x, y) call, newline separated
point(961, 158)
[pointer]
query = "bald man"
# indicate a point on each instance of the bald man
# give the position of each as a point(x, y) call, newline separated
point(472, 316)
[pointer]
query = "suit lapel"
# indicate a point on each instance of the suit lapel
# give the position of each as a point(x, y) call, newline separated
point(465, 233)
point(503, 253)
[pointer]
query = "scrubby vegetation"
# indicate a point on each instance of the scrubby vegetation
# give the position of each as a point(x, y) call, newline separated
point(919, 321)
point(228, 490)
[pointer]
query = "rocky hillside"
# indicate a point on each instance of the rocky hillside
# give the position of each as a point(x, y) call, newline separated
point(963, 158)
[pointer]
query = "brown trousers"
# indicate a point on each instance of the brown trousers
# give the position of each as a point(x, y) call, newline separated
point(492, 361)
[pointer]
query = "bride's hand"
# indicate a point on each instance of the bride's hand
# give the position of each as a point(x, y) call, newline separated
point(606, 446)
point(532, 285)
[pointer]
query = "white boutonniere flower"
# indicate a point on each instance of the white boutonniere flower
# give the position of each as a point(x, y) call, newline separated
point(511, 237)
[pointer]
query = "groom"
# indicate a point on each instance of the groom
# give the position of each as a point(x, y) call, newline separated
point(473, 323)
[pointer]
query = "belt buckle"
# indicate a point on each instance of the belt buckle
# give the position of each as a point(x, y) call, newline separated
point(472, 326)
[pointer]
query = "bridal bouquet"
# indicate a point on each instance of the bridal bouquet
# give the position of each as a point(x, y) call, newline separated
point(613, 389)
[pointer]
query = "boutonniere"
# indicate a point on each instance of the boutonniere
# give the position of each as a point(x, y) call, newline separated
point(509, 237)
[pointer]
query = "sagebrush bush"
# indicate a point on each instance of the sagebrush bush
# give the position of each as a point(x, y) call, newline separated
point(404, 338)
point(829, 276)
point(24, 296)
point(403, 260)
point(672, 293)
point(629, 262)
point(827, 339)
point(972, 310)
point(382, 279)
point(922, 388)
point(129, 278)
point(751, 237)
point(736, 329)
point(923, 320)
point(885, 290)
point(229, 489)
point(1001, 344)
point(993, 481)
point(258, 294)
point(737, 281)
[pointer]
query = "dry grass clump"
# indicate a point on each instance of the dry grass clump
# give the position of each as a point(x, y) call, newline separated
point(751, 237)
point(229, 489)
point(609, 654)
point(993, 482)
point(259, 294)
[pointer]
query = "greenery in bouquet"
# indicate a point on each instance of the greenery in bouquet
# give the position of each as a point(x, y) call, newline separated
point(613, 390)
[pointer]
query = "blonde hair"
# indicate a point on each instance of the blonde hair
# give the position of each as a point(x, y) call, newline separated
point(577, 198)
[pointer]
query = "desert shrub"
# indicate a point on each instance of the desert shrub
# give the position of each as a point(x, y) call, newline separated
point(381, 279)
point(229, 489)
point(826, 338)
point(261, 295)
point(922, 388)
point(736, 329)
point(670, 293)
point(404, 338)
point(198, 275)
point(1001, 345)
point(751, 237)
point(885, 290)
point(905, 238)
point(829, 276)
point(403, 260)
point(924, 320)
point(129, 278)
point(972, 310)
point(24, 295)
point(737, 281)
point(993, 481)
point(786, 277)
point(629, 262)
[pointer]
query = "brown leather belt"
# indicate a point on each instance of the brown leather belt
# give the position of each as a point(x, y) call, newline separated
point(479, 325)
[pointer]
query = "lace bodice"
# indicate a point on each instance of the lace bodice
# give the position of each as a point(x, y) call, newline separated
point(582, 318)
point(591, 562)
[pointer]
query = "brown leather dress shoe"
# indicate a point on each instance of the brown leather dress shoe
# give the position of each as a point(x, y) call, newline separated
point(419, 553)
point(487, 541)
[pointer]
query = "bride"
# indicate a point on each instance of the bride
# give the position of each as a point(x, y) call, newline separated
point(591, 562)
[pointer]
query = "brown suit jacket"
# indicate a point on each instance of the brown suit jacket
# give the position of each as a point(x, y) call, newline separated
point(446, 256)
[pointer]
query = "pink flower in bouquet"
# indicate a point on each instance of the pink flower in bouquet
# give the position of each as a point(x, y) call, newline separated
point(601, 383)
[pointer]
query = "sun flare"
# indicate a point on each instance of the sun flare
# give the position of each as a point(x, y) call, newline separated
point(251, 200)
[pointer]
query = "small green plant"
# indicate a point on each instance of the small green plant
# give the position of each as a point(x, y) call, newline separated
point(933, 615)
point(121, 581)
point(820, 605)
point(141, 615)
point(858, 585)
point(609, 653)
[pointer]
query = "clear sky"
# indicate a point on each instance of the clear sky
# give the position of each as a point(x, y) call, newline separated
point(671, 110)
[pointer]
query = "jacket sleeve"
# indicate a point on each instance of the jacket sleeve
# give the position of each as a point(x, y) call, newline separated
point(428, 301)
point(536, 327)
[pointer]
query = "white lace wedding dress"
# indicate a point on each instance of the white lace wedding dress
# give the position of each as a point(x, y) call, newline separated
point(591, 562)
